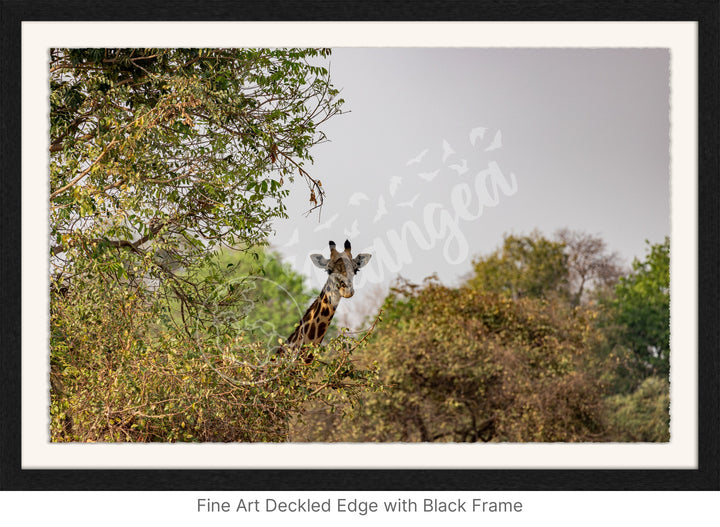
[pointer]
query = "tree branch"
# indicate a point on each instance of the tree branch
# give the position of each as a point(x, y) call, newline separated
point(84, 172)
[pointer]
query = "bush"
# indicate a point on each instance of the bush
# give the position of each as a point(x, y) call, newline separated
point(466, 366)
point(641, 416)
point(122, 369)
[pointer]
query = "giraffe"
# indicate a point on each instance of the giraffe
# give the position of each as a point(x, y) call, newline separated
point(341, 269)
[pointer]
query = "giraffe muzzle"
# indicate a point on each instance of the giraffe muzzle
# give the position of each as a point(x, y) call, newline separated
point(347, 292)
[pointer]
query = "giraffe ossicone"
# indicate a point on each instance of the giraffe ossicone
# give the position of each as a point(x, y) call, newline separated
point(341, 268)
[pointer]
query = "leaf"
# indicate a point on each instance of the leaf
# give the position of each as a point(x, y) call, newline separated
point(191, 131)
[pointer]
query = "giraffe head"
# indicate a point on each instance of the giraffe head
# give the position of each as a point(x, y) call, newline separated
point(341, 268)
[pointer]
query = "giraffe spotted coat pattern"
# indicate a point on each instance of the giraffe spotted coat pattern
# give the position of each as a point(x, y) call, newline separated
point(341, 269)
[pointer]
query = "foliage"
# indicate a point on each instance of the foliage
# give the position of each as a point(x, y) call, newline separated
point(159, 157)
point(566, 267)
point(640, 310)
point(121, 370)
point(274, 297)
point(525, 266)
point(643, 415)
point(531, 348)
point(462, 366)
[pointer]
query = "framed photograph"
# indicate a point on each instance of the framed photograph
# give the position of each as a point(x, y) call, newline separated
point(462, 247)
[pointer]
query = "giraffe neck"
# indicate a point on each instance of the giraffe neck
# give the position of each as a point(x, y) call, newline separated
point(316, 320)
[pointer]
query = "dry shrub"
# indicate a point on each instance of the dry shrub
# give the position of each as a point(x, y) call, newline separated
point(465, 366)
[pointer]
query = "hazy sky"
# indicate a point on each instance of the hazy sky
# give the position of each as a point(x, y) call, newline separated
point(445, 150)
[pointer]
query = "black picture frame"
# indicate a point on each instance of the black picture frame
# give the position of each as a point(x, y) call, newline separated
point(706, 477)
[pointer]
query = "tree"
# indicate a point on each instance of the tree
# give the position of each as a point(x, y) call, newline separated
point(525, 266)
point(566, 267)
point(640, 310)
point(465, 366)
point(590, 266)
point(159, 158)
point(159, 155)
point(274, 297)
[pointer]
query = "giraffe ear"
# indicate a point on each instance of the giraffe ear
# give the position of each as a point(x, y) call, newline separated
point(319, 260)
point(362, 259)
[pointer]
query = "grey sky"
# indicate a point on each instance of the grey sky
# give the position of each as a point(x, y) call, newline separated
point(581, 140)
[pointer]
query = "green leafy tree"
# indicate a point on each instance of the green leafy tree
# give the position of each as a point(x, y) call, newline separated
point(640, 310)
point(274, 297)
point(525, 266)
point(158, 158)
point(573, 266)
point(159, 155)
